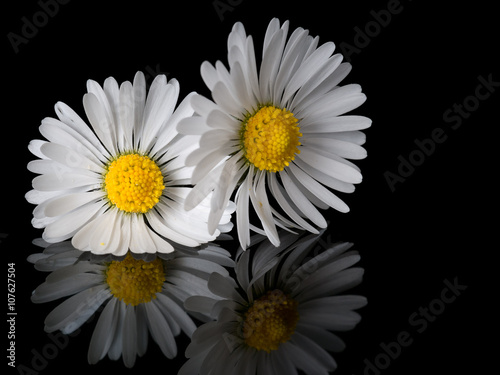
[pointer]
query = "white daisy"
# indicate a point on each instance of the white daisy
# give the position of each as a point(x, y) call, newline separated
point(277, 316)
point(121, 186)
point(277, 130)
point(138, 295)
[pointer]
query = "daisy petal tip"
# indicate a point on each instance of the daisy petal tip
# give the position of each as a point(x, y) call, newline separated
point(344, 209)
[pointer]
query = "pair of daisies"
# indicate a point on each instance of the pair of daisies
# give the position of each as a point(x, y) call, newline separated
point(149, 177)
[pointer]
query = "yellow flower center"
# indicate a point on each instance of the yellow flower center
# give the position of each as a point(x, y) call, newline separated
point(270, 321)
point(271, 138)
point(134, 183)
point(135, 281)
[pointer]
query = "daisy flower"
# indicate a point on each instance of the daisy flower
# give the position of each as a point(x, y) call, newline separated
point(277, 316)
point(121, 184)
point(139, 293)
point(276, 131)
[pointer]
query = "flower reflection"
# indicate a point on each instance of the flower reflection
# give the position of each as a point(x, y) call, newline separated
point(139, 295)
point(279, 312)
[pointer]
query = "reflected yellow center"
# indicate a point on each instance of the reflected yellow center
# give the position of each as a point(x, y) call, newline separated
point(135, 281)
point(270, 321)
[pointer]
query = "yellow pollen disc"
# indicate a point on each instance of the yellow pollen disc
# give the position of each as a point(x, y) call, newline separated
point(270, 321)
point(135, 281)
point(134, 183)
point(271, 138)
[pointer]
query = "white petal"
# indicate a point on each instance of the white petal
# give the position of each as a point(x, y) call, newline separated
point(261, 205)
point(330, 83)
point(272, 28)
point(202, 106)
point(73, 312)
point(310, 87)
point(285, 204)
point(140, 241)
point(37, 197)
point(76, 268)
point(203, 188)
point(196, 155)
point(214, 139)
point(330, 303)
point(116, 348)
point(71, 119)
point(318, 190)
point(178, 149)
point(183, 110)
point(334, 107)
point(65, 226)
point(230, 175)
point(226, 100)
point(191, 226)
point(335, 284)
point(106, 237)
point(45, 166)
point(160, 330)
point(104, 332)
point(142, 330)
point(68, 180)
point(322, 337)
point(159, 107)
point(126, 116)
point(219, 120)
point(224, 287)
point(240, 89)
point(332, 320)
point(158, 223)
point(100, 121)
point(139, 91)
point(251, 70)
point(198, 265)
point(209, 162)
point(209, 74)
point(320, 360)
point(335, 124)
point(270, 63)
point(129, 336)
point(178, 314)
point(34, 147)
point(239, 55)
point(242, 219)
point(112, 91)
point(51, 291)
point(81, 239)
point(58, 132)
point(69, 202)
point(344, 149)
point(192, 125)
point(300, 359)
point(302, 202)
point(325, 272)
point(144, 240)
point(292, 58)
point(200, 304)
point(310, 66)
point(329, 166)
point(356, 137)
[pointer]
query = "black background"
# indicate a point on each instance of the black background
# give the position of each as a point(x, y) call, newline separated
point(433, 227)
